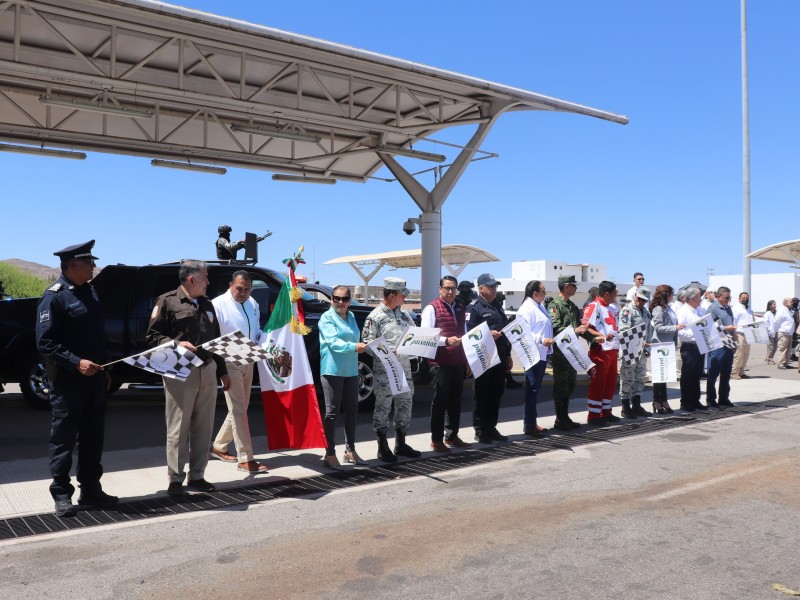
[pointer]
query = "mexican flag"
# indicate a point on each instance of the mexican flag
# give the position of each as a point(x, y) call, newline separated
point(287, 386)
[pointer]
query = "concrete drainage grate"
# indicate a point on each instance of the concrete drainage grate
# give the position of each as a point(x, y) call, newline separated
point(32, 525)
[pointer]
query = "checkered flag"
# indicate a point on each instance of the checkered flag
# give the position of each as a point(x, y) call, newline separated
point(631, 343)
point(169, 360)
point(236, 348)
point(728, 341)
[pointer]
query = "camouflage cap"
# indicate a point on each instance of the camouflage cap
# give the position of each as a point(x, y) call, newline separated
point(643, 292)
point(395, 284)
point(564, 279)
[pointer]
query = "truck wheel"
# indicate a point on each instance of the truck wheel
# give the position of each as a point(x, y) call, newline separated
point(35, 385)
point(366, 384)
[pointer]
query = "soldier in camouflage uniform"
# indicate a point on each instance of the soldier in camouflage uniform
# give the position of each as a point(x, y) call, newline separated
point(632, 376)
point(563, 312)
point(390, 320)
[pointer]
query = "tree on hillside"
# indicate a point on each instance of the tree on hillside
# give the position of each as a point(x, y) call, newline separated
point(18, 284)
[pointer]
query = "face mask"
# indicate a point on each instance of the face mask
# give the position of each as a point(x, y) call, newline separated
point(745, 303)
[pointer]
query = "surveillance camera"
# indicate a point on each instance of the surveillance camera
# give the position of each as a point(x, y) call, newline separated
point(408, 227)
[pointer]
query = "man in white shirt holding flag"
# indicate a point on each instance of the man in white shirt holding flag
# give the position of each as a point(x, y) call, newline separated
point(238, 311)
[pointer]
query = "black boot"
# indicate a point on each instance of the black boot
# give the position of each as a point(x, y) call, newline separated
point(403, 449)
point(563, 422)
point(638, 410)
point(626, 409)
point(384, 452)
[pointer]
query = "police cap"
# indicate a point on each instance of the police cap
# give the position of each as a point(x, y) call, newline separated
point(83, 250)
point(224, 229)
point(487, 279)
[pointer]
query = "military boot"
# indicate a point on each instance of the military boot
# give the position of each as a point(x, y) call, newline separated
point(403, 449)
point(563, 422)
point(638, 409)
point(627, 412)
point(384, 452)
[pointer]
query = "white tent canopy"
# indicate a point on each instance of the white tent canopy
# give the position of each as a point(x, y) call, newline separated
point(786, 252)
point(454, 257)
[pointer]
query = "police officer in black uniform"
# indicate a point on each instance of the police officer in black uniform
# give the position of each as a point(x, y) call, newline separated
point(489, 387)
point(70, 335)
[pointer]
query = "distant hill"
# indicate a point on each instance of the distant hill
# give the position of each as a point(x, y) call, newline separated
point(34, 269)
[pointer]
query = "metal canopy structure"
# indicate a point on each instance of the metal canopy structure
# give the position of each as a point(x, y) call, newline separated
point(785, 252)
point(455, 258)
point(149, 79)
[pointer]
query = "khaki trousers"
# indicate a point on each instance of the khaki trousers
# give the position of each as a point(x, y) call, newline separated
point(190, 419)
point(741, 355)
point(236, 427)
point(784, 349)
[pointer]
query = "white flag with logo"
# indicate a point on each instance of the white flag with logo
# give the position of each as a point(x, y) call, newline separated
point(755, 332)
point(419, 341)
point(169, 360)
point(519, 334)
point(397, 376)
point(662, 363)
point(480, 349)
point(705, 334)
point(573, 350)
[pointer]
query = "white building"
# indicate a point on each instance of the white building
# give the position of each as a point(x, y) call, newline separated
point(548, 271)
point(764, 287)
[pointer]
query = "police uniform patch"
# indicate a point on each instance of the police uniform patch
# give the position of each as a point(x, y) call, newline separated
point(44, 316)
point(210, 315)
point(55, 287)
point(154, 314)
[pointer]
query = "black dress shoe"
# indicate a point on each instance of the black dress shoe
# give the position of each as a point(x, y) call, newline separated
point(483, 440)
point(724, 403)
point(699, 406)
point(499, 437)
point(687, 408)
point(64, 508)
point(611, 418)
point(100, 499)
point(175, 488)
point(711, 403)
point(201, 485)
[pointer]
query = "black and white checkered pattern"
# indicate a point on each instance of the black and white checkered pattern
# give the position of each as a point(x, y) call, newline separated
point(169, 360)
point(727, 339)
point(236, 348)
point(631, 343)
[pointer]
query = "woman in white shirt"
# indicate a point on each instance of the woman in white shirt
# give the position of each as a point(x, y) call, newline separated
point(772, 335)
point(535, 315)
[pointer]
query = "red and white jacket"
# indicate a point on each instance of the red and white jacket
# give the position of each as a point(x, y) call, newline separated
point(599, 316)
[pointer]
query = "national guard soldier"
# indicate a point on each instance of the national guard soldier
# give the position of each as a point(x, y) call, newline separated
point(631, 377)
point(390, 321)
point(70, 335)
point(564, 313)
point(225, 249)
point(489, 387)
point(466, 293)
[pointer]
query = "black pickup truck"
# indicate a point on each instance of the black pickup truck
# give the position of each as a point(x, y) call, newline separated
point(127, 294)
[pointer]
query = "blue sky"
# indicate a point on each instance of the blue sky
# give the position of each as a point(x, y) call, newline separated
point(565, 187)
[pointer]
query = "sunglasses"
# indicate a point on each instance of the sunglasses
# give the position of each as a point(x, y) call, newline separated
point(340, 298)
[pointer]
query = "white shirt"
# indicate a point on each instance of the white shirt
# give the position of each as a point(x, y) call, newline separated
point(535, 315)
point(769, 319)
point(676, 306)
point(686, 314)
point(631, 293)
point(232, 315)
point(741, 315)
point(784, 322)
point(705, 303)
point(428, 319)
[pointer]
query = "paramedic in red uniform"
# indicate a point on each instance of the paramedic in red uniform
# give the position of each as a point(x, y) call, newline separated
point(601, 322)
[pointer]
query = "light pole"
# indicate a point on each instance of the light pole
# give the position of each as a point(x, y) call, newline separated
point(745, 158)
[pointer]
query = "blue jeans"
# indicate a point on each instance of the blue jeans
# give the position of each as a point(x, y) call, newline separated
point(533, 381)
point(720, 363)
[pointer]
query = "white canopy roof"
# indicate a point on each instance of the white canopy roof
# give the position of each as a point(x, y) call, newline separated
point(786, 252)
point(150, 79)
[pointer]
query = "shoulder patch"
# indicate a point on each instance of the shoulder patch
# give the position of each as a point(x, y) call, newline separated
point(55, 287)
point(154, 314)
point(44, 316)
